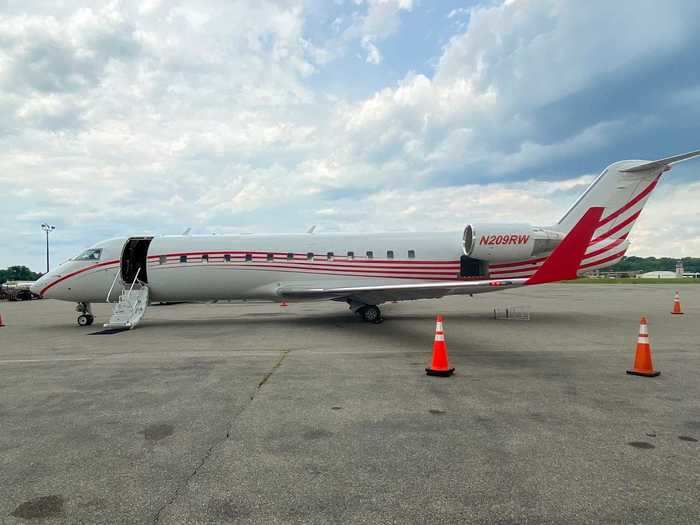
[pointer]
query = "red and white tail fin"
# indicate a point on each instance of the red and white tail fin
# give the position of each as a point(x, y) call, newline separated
point(564, 262)
point(622, 190)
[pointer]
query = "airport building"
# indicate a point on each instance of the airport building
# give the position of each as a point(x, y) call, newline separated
point(658, 275)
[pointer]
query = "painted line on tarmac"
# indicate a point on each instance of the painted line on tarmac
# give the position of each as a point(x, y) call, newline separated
point(45, 360)
point(146, 356)
point(204, 355)
point(359, 352)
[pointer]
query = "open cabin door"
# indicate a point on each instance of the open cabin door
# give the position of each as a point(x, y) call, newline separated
point(134, 259)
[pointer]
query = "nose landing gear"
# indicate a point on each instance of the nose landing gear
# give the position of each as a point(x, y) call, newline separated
point(85, 318)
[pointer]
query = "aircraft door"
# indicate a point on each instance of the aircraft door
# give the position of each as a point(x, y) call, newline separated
point(134, 259)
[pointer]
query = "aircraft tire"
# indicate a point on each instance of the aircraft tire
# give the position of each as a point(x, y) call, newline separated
point(85, 320)
point(371, 314)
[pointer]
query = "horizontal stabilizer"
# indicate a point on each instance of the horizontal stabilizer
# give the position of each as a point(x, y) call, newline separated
point(566, 258)
point(655, 164)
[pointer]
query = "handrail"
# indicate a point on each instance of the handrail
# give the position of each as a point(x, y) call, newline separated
point(112, 287)
point(133, 283)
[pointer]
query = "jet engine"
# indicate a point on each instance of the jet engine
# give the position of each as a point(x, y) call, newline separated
point(508, 242)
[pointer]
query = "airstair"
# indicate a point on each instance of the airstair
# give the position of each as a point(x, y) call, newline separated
point(131, 307)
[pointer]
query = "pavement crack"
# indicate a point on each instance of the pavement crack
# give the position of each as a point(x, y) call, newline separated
point(269, 374)
point(210, 450)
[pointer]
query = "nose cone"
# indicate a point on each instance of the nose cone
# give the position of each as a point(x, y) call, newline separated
point(38, 287)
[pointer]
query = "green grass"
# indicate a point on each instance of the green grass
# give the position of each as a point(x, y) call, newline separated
point(590, 280)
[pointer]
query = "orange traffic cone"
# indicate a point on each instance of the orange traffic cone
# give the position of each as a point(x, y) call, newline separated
point(677, 305)
point(284, 303)
point(642, 357)
point(439, 365)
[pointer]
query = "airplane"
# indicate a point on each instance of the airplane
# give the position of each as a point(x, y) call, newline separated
point(363, 270)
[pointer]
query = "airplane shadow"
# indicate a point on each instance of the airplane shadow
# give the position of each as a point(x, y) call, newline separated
point(406, 334)
point(338, 320)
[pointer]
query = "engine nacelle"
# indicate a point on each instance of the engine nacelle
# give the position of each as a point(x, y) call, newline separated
point(508, 242)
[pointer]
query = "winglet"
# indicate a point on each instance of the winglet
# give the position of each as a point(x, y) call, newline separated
point(663, 163)
point(563, 263)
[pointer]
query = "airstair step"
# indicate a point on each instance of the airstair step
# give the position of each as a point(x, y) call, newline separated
point(130, 308)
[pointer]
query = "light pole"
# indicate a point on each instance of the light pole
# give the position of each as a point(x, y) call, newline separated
point(48, 229)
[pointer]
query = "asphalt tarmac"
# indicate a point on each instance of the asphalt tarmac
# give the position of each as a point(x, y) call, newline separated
point(255, 413)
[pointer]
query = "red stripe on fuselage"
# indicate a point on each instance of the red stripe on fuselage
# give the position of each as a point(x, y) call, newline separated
point(73, 274)
point(271, 268)
point(323, 264)
point(321, 268)
point(303, 256)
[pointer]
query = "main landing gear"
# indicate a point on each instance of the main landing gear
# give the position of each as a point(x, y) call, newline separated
point(85, 318)
point(369, 312)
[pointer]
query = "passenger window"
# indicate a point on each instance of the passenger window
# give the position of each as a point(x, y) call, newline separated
point(270, 257)
point(329, 256)
point(183, 258)
point(310, 256)
point(163, 259)
point(290, 255)
point(205, 258)
point(390, 254)
point(227, 257)
point(411, 254)
point(248, 257)
point(370, 255)
point(351, 255)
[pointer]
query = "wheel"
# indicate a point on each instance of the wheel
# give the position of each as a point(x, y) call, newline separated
point(371, 314)
point(85, 320)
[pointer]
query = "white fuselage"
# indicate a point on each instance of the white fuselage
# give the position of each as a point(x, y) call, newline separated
point(223, 267)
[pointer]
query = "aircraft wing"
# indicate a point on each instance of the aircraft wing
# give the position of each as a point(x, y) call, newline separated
point(562, 264)
point(399, 292)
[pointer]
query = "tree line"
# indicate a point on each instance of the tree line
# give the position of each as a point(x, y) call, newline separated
point(654, 264)
point(18, 273)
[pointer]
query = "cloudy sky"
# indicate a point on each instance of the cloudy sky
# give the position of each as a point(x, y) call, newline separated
point(355, 115)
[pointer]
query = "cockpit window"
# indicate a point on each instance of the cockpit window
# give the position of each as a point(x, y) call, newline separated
point(92, 254)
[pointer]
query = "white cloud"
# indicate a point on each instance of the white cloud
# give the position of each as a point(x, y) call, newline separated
point(461, 11)
point(670, 222)
point(380, 21)
point(373, 54)
point(513, 60)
